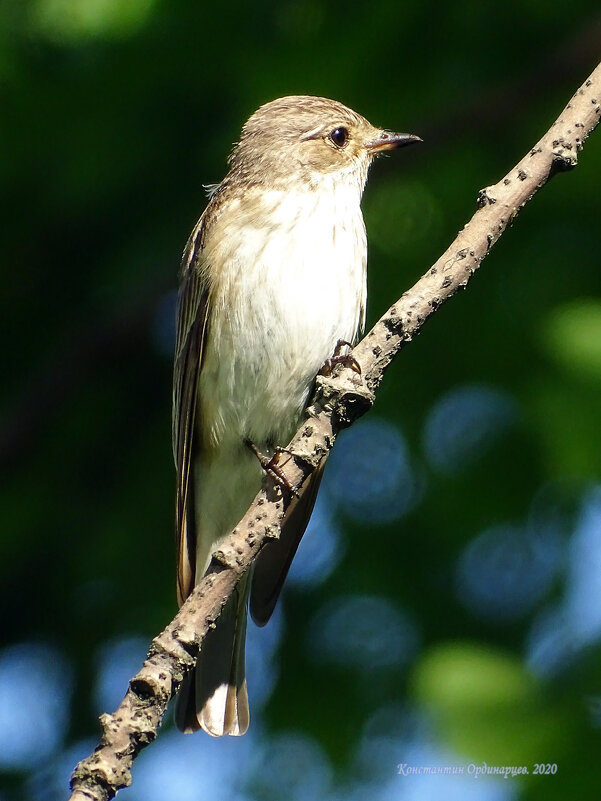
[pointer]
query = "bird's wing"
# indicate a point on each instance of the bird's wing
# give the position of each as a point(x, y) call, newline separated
point(272, 565)
point(192, 319)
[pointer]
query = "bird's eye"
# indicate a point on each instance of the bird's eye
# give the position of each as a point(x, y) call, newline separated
point(339, 137)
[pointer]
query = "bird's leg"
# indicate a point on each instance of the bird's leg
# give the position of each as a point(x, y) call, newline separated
point(271, 465)
point(346, 359)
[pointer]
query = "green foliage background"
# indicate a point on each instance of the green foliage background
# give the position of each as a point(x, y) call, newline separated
point(114, 115)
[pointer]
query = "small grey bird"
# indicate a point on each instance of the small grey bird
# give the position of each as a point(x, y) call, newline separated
point(273, 276)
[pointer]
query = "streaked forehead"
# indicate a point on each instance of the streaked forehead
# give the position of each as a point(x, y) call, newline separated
point(298, 114)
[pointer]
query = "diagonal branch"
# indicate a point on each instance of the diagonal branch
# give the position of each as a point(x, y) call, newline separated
point(338, 401)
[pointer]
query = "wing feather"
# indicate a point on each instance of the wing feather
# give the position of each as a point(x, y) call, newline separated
point(192, 321)
point(272, 565)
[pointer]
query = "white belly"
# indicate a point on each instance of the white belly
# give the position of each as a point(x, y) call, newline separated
point(284, 296)
point(288, 293)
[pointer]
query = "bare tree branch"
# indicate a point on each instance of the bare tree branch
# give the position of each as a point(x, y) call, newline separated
point(338, 401)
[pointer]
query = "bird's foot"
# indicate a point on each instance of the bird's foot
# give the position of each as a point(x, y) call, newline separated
point(346, 359)
point(271, 465)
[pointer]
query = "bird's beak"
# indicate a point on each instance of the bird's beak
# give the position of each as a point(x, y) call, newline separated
point(388, 140)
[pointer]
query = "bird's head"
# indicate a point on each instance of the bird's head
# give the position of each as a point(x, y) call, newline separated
point(301, 139)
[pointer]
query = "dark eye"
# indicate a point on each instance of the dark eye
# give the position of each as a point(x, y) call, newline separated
point(339, 137)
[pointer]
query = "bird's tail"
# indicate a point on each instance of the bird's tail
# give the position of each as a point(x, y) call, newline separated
point(213, 696)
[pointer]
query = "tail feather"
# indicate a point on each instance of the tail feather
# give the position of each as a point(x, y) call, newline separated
point(214, 696)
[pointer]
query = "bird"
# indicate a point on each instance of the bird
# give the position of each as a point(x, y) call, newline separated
point(273, 277)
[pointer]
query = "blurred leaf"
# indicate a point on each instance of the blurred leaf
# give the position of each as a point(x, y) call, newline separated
point(487, 704)
point(571, 334)
point(74, 20)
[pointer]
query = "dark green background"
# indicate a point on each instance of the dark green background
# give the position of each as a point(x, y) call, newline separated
point(113, 116)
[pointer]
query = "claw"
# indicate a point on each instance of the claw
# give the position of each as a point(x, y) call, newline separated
point(271, 465)
point(346, 359)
